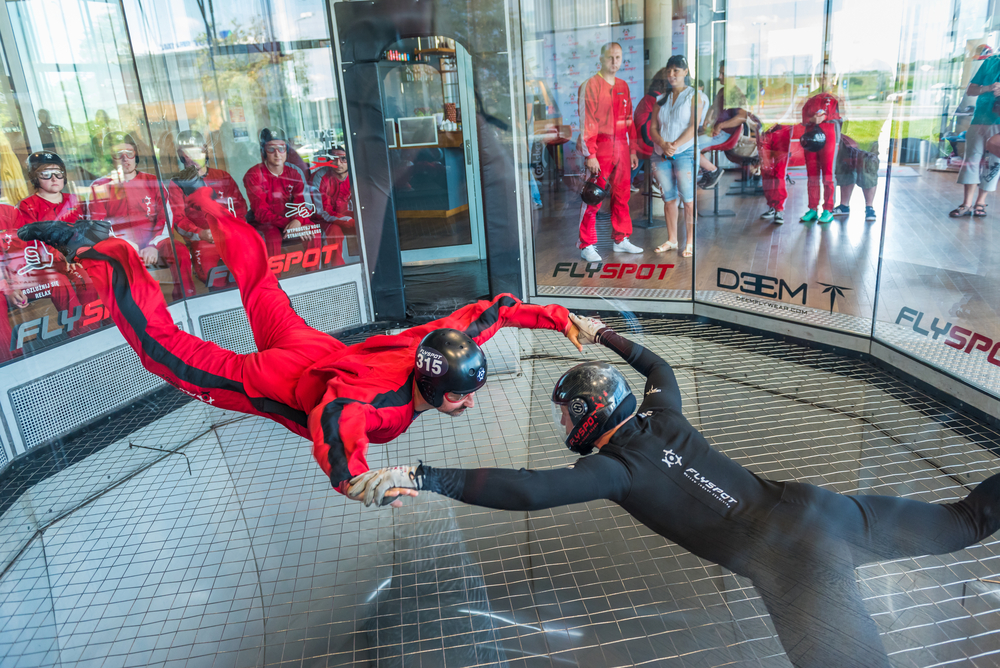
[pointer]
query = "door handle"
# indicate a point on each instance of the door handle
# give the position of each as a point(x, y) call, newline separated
point(468, 152)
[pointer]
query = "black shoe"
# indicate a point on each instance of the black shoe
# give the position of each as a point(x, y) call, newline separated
point(188, 180)
point(67, 238)
point(711, 179)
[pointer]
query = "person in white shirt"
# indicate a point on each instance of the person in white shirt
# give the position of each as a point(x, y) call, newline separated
point(681, 110)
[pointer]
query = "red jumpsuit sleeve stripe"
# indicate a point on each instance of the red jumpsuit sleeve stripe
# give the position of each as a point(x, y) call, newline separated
point(482, 319)
point(340, 431)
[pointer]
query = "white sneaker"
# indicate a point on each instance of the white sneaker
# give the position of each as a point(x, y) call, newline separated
point(625, 246)
point(769, 214)
point(779, 219)
point(590, 254)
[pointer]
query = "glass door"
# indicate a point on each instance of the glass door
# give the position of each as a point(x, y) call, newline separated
point(433, 153)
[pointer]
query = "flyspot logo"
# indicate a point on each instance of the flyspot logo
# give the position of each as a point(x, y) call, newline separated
point(707, 485)
point(958, 338)
point(616, 270)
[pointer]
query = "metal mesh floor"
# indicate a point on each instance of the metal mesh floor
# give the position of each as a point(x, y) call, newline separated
point(250, 559)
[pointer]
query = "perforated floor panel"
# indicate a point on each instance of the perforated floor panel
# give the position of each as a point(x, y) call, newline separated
point(248, 558)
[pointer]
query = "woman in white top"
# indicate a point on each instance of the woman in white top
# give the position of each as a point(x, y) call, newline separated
point(681, 109)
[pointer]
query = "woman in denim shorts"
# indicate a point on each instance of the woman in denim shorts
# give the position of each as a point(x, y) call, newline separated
point(674, 159)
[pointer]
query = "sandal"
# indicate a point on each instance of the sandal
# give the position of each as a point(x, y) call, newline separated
point(688, 251)
point(961, 212)
point(979, 211)
point(666, 246)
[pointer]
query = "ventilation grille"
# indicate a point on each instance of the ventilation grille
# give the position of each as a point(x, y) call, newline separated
point(63, 401)
point(328, 310)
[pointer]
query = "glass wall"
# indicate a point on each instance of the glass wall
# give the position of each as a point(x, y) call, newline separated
point(115, 100)
point(856, 179)
point(591, 126)
point(787, 159)
point(71, 83)
point(940, 267)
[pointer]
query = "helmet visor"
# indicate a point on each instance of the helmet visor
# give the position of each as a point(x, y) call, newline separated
point(561, 419)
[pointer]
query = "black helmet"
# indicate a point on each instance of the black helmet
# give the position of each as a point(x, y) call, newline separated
point(595, 190)
point(597, 398)
point(268, 134)
point(188, 139)
point(449, 361)
point(112, 139)
point(39, 158)
point(813, 139)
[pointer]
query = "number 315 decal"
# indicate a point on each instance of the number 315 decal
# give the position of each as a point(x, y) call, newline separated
point(431, 362)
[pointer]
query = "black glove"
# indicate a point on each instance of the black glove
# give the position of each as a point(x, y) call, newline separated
point(188, 180)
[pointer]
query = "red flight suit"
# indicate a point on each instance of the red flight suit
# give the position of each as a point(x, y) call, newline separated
point(773, 147)
point(190, 222)
point(823, 161)
point(8, 239)
point(645, 114)
point(135, 210)
point(337, 211)
point(340, 397)
point(275, 201)
point(34, 209)
point(609, 134)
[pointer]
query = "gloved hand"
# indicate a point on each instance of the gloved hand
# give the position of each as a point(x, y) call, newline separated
point(370, 487)
point(188, 180)
point(590, 328)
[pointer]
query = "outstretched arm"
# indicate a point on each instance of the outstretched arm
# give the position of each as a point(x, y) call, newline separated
point(595, 477)
point(484, 318)
point(661, 390)
point(339, 429)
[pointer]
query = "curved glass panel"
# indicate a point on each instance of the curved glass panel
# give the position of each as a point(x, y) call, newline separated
point(591, 116)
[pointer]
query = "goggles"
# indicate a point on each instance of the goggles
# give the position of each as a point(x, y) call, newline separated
point(276, 149)
point(127, 153)
point(47, 174)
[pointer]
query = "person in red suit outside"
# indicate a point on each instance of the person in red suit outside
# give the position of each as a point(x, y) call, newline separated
point(608, 143)
point(47, 173)
point(190, 222)
point(132, 203)
point(773, 146)
point(332, 188)
point(276, 191)
point(645, 114)
point(821, 110)
point(340, 397)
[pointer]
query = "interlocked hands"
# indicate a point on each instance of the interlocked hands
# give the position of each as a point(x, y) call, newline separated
point(590, 328)
point(371, 487)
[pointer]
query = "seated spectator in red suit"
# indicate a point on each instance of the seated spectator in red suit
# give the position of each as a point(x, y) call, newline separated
point(190, 221)
point(332, 190)
point(47, 174)
point(132, 202)
point(276, 190)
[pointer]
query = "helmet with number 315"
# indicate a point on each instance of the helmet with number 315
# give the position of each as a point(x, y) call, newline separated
point(448, 361)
